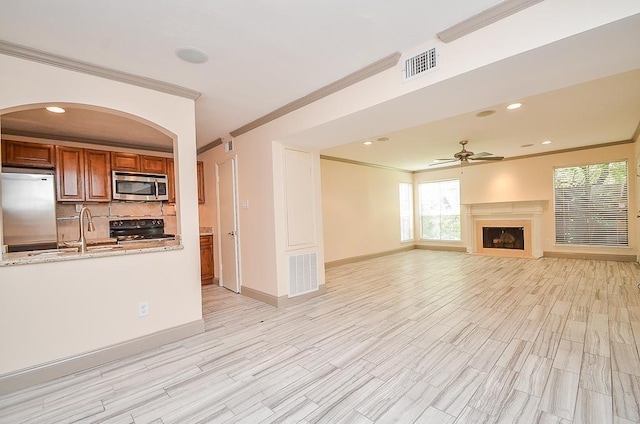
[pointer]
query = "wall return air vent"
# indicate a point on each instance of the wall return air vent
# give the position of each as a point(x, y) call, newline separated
point(303, 274)
point(420, 64)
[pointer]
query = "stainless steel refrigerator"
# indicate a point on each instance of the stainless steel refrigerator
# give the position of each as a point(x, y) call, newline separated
point(28, 209)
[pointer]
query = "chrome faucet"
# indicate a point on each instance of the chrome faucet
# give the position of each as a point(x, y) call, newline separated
point(90, 227)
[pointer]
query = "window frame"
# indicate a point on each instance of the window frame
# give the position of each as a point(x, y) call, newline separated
point(410, 212)
point(459, 212)
point(593, 238)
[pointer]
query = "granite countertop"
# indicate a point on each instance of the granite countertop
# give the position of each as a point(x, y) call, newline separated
point(94, 251)
point(206, 231)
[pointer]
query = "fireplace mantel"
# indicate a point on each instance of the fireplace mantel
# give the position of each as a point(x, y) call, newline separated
point(527, 214)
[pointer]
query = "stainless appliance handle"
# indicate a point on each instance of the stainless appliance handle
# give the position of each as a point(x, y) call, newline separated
point(157, 189)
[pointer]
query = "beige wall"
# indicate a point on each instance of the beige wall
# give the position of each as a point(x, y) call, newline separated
point(360, 209)
point(50, 311)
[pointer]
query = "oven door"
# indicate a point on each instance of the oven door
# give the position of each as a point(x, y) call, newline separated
point(140, 187)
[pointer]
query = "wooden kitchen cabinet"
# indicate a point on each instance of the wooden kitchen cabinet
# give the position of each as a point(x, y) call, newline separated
point(33, 155)
point(83, 175)
point(206, 259)
point(171, 176)
point(97, 175)
point(200, 182)
point(128, 162)
point(70, 173)
point(153, 165)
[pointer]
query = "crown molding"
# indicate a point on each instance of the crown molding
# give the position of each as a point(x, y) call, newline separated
point(484, 18)
point(355, 77)
point(209, 146)
point(370, 165)
point(534, 155)
point(636, 134)
point(43, 57)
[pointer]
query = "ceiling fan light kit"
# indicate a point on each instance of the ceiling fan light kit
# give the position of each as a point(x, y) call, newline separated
point(464, 156)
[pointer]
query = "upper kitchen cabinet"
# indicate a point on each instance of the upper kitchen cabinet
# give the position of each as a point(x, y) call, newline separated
point(32, 155)
point(121, 161)
point(83, 175)
point(97, 175)
point(131, 162)
point(200, 182)
point(153, 165)
point(70, 173)
point(171, 190)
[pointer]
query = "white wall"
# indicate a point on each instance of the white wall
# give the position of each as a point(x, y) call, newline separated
point(51, 311)
point(298, 210)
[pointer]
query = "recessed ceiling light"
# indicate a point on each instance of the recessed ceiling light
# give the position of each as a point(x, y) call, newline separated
point(55, 109)
point(547, 142)
point(527, 145)
point(383, 139)
point(514, 106)
point(485, 113)
point(191, 55)
point(368, 143)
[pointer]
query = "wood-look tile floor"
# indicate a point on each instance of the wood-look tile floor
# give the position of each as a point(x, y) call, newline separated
point(421, 336)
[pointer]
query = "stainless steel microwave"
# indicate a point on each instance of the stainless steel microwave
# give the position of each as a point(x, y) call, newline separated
point(139, 186)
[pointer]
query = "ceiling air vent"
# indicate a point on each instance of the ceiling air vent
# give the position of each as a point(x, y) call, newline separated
point(228, 146)
point(420, 64)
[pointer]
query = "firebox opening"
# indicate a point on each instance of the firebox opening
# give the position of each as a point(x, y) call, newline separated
point(503, 238)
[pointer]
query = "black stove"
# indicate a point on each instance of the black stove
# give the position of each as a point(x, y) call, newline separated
point(124, 230)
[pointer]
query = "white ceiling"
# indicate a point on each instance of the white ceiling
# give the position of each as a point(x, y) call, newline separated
point(265, 54)
point(596, 112)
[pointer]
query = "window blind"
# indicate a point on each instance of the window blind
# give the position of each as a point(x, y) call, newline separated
point(591, 204)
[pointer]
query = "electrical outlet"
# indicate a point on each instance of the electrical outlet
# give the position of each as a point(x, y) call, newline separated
point(79, 207)
point(143, 309)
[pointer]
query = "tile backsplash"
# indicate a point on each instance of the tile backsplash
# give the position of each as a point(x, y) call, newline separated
point(102, 213)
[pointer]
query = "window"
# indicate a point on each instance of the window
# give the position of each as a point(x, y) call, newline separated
point(591, 204)
point(440, 210)
point(406, 211)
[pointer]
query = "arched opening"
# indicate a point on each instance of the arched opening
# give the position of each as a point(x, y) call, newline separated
point(79, 151)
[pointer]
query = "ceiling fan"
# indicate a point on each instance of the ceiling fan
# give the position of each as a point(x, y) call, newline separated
point(465, 155)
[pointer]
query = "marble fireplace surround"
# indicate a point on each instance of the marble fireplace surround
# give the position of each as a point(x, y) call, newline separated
point(526, 214)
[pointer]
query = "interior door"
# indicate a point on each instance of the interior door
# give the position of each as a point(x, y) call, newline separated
point(228, 225)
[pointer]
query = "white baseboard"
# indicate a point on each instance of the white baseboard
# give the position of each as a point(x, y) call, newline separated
point(48, 371)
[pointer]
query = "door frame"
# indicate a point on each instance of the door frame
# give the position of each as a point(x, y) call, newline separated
point(234, 178)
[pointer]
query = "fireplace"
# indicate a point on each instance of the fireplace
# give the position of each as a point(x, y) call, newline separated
point(508, 229)
point(503, 238)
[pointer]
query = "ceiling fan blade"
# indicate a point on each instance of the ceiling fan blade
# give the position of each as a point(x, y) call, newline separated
point(441, 161)
point(489, 158)
point(479, 155)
